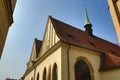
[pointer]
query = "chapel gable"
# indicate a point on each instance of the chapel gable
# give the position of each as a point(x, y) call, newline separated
point(35, 52)
point(50, 37)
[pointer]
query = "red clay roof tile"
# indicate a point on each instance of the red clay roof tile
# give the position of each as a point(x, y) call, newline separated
point(77, 37)
point(109, 61)
point(38, 44)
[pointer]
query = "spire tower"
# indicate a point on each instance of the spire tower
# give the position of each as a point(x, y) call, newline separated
point(87, 25)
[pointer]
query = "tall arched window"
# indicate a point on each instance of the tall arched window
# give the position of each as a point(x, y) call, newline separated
point(82, 71)
point(38, 76)
point(49, 73)
point(44, 74)
point(55, 72)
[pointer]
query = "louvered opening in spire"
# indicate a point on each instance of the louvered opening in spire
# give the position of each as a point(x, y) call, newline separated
point(87, 25)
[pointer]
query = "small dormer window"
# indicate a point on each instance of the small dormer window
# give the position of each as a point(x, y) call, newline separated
point(69, 36)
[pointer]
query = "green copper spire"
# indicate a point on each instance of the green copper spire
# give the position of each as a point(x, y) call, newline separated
point(87, 21)
point(87, 24)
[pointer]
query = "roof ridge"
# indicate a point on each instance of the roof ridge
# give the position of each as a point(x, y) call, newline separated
point(105, 40)
point(77, 37)
point(81, 30)
point(38, 40)
point(65, 23)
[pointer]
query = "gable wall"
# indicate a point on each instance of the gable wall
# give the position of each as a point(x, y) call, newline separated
point(33, 54)
point(32, 57)
point(50, 38)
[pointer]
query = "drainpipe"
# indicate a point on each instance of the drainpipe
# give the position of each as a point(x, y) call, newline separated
point(68, 61)
point(34, 68)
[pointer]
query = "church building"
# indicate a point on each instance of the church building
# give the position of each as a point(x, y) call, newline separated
point(68, 53)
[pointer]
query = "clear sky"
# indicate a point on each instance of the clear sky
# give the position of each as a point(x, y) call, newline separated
point(30, 18)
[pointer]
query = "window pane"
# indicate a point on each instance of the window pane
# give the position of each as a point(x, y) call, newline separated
point(55, 72)
point(44, 74)
point(82, 71)
point(38, 76)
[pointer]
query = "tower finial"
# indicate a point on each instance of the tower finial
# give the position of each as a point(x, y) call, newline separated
point(87, 24)
point(87, 21)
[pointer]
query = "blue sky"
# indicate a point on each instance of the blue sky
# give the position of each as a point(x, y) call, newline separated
point(30, 18)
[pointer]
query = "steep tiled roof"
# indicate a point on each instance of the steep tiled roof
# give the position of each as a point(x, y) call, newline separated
point(77, 37)
point(38, 46)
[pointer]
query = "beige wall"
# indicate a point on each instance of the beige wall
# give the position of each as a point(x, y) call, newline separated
point(111, 75)
point(48, 62)
point(114, 7)
point(32, 57)
point(90, 57)
point(59, 56)
point(13, 3)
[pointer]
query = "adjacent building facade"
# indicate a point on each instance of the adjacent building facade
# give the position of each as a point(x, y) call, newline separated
point(114, 7)
point(6, 19)
point(68, 53)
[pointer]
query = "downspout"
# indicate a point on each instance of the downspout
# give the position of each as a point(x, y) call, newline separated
point(34, 68)
point(34, 71)
point(68, 61)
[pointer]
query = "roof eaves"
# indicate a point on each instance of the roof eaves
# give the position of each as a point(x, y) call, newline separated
point(67, 42)
point(108, 62)
point(110, 68)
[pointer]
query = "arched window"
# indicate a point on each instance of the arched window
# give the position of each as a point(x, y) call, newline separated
point(37, 76)
point(82, 71)
point(44, 74)
point(55, 72)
